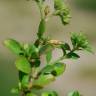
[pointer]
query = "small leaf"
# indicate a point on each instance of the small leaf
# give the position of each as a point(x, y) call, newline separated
point(14, 46)
point(15, 90)
point(48, 56)
point(21, 74)
point(47, 69)
point(62, 11)
point(23, 65)
point(89, 49)
point(25, 81)
point(74, 93)
point(31, 50)
point(65, 47)
point(46, 48)
point(49, 93)
point(55, 69)
point(43, 80)
point(73, 55)
point(41, 29)
point(58, 4)
point(59, 68)
point(80, 42)
point(36, 63)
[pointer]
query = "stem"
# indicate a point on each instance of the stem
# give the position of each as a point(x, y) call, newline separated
point(40, 6)
point(59, 59)
point(33, 74)
point(64, 57)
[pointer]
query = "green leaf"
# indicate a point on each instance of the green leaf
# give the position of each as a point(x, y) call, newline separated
point(43, 80)
point(74, 93)
point(73, 55)
point(36, 63)
point(46, 48)
point(62, 11)
point(25, 81)
point(31, 50)
point(21, 74)
point(41, 29)
point(31, 94)
point(59, 68)
point(65, 47)
point(48, 56)
point(80, 42)
point(49, 93)
point(47, 69)
point(14, 46)
point(58, 4)
point(15, 90)
point(55, 69)
point(23, 65)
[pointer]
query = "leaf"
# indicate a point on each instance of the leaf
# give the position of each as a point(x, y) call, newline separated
point(55, 69)
point(89, 49)
point(80, 42)
point(74, 93)
point(46, 48)
point(49, 93)
point(31, 50)
point(59, 68)
point(58, 4)
point(21, 75)
point(15, 90)
point(47, 69)
point(23, 65)
point(73, 55)
point(36, 63)
point(48, 56)
point(31, 94)
point(65, 47)
point(62, 11)
point(25, 81)
point(43, 80)
point(14, 46)
point(41, 29)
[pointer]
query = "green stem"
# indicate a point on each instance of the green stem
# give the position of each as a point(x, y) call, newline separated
point(58, 60)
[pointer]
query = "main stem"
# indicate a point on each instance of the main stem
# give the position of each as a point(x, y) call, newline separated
point(40, 6)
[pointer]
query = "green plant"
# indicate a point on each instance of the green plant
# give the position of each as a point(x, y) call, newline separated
point(32, 76)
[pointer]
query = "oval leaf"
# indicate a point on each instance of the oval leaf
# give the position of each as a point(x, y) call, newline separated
point(55, 69)
point(44, 80)
point(25, 81)
point(73, 55)
point(48, 56)
point(13, 45)
point(23, 65)
point(59, 68)
point(31, 50)
point(41, 29)
point(46, 48)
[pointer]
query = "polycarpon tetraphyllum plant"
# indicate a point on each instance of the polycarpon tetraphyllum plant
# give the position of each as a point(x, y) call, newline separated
point(32, 77)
